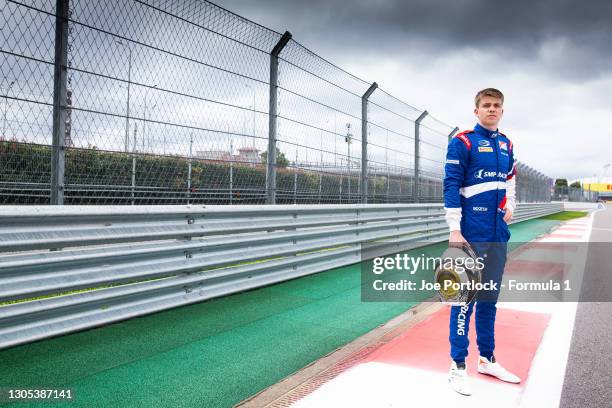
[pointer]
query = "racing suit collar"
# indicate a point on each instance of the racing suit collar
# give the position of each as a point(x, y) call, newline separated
point(486, 132)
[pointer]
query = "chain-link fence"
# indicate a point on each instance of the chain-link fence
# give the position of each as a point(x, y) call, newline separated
point(531, 185)
point(182, 101)
point(569, 193)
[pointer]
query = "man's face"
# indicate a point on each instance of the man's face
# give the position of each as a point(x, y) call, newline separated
point(489, 112)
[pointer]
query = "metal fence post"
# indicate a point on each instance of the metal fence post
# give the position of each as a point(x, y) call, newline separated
point(534, 189)
point(521, 183)
point(534, 186)
point(415, 179)
point(189, 169)
point(295, 175)
point(58, 158)
point(450, 137)
point(133, 177)
point(364, 142)
point(530, 187)
point(527, 182)
point(271, 168)
point(451, 134)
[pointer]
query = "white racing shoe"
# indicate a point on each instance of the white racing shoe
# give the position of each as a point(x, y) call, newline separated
point(458, 379)
point(495, 369)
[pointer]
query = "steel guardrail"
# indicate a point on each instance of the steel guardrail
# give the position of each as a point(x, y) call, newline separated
point(121, 262)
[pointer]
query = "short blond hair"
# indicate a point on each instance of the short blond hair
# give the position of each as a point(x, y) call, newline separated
point(492, 92)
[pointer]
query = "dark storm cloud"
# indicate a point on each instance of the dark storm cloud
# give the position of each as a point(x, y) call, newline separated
point(572, 37)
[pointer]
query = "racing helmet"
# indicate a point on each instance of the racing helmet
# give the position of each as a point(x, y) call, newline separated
point(458, 274)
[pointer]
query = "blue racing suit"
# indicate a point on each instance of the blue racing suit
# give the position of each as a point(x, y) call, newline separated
point(479, 185)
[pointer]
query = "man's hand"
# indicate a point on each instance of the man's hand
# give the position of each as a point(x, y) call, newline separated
point(456, 239)
point(508, 215)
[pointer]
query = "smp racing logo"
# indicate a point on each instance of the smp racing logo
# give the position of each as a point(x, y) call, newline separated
point(481, 174)
point(461, 320)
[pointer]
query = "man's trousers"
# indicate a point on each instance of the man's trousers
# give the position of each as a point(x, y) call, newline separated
point(494, 254)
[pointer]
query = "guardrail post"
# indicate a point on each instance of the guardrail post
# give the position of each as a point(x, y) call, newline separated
point(364, 142)
point(415, 179)
point(271, 168)
point(58, 158)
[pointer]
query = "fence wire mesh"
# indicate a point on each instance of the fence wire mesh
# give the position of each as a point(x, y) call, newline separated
point(531, 185)
point(570, 193)
point(168, 102)
point(319, 129)
point(391, 142)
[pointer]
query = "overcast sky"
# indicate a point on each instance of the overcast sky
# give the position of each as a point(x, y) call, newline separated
point(551, 58)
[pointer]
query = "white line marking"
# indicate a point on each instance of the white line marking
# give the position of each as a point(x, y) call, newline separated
point(379, 385)
point(545, 382)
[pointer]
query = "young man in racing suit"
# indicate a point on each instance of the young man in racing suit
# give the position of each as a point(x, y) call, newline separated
point(479, 199)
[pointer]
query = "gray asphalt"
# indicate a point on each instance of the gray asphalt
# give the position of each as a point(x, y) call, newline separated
point(588, 376)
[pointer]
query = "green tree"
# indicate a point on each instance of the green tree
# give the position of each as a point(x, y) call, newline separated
point(281, 160)
point(575, 184)
point(561, 183)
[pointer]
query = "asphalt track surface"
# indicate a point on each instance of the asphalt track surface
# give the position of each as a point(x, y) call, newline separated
point(588, 375)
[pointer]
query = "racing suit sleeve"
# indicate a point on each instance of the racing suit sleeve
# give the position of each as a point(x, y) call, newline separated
point(511, 181)
point(454, 174)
